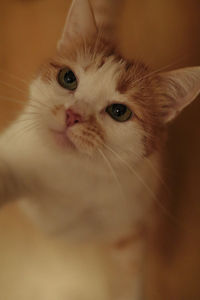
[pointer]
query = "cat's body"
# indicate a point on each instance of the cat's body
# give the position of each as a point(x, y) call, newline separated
point(57, 177)
point(117, 234)
point(84, 157)
point(100, 210)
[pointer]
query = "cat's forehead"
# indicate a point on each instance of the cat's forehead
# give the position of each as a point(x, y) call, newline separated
point(100, 70)
point(102, 74)
point(96, 78)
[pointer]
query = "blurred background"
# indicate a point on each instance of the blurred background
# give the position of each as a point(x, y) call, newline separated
point(163, 33)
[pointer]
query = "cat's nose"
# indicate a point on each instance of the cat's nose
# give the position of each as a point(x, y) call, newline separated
point(72, 118)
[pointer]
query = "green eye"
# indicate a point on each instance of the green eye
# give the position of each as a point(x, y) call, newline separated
point(119, 112)
point(67, 79)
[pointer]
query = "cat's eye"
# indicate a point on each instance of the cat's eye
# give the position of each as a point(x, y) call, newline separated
point(119, 112)
point(67, 79)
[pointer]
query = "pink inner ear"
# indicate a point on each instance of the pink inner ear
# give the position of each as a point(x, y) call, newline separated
point(182, 87)
point(80, 21)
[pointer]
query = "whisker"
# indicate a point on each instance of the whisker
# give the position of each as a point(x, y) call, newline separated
point(13, 87)
point(26, 120)
point(153, 169)
point(140, 179)
point(31, 113)
point(110, 149)
point(112, 172)
point(99, 36)
point(131, 170)
point(41, 103)
point(29, 129)
point(23, 71)
point(34, 104)
point(155, 71)
point(157, 174)
point(15, 77)
point(21, 131)
point(12, 100)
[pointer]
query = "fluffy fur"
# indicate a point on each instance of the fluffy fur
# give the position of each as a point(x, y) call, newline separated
point(93, 181)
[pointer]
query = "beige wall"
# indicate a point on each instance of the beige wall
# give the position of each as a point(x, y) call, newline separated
point(163, 33)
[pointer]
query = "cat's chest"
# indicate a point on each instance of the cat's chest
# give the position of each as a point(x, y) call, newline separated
point(87, 200)
point(78, 185)
point(84, 184)
point(80, 199)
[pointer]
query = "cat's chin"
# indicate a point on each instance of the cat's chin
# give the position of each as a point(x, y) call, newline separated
point(62, 140)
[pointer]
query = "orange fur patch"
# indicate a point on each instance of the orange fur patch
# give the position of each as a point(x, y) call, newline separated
point(56, 108)
point(130, 240)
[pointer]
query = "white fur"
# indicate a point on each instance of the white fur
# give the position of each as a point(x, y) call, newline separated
point(99, 194)
point(89, 201)
point(76, 194)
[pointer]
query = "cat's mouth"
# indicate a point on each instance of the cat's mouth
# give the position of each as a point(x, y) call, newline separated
point(62, 139)
point(82, 138)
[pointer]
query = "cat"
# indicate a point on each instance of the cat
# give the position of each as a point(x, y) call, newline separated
point(80, 156)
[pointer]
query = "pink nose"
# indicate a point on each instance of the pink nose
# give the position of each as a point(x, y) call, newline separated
point(72, 118)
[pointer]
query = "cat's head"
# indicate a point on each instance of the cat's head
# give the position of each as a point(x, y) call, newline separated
point(91, 100)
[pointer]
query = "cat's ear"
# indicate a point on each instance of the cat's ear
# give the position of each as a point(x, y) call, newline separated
point(181, 87)
point(80, 22)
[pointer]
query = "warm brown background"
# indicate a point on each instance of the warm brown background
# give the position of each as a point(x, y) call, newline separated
point(163, 33)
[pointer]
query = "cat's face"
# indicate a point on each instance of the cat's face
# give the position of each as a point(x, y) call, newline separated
point(89, 103)
point(90, 100)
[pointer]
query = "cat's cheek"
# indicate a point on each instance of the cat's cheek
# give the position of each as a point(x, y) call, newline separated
point(126, 140)
point(81, 144)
